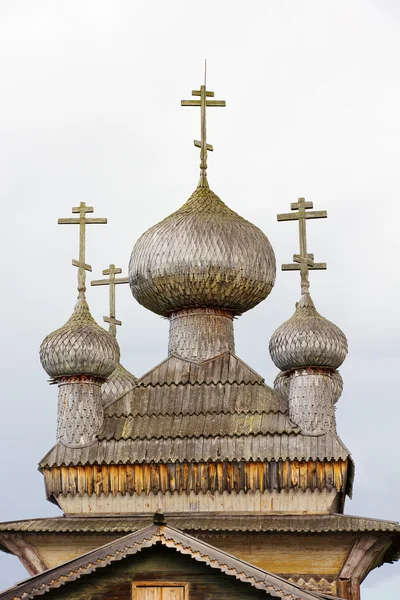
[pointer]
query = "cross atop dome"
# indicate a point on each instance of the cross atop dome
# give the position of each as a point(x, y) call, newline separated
point(303, 262)
point(203, 93)
point(112, 281)
point(82, 221)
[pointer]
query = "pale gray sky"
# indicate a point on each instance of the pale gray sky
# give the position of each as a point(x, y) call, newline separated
point(90, 111)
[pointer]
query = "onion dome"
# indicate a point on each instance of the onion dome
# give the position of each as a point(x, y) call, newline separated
point(204, 255)
point(307, 340)
point(119, 382)
point(80, 347)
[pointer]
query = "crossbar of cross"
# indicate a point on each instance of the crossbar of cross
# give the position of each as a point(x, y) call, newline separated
point(203, 103)
point(82, 221)
point(112, 281)
point(304, 261)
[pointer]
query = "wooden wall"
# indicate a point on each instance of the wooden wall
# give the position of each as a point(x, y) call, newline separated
point(157, 563)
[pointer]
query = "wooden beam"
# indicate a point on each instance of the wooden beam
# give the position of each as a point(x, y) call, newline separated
point(27, 554)
point(366, 554)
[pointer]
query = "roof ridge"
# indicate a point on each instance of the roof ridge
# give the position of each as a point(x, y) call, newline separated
point(203, 436)
point(205, 383)
point(198, 413)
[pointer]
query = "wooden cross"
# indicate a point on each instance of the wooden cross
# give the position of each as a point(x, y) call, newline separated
point(112, 281)
point(82, 209)
point(303, 262)
point(202, 144)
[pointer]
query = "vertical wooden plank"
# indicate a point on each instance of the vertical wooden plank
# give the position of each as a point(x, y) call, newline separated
point(72, 480)
point(295, 475)
point(285, 483)
point(105, 479)
point(186, 477)
point(220, 476)
point(81, 480)
point(329, 481)
point(337, 476)
point(113, 473)
point(139, 478)
point(98, 479)
point(122, 479)
point(303, 475)
point(171, 477)
point(154, 478)
point(163, 478)
point(146, 479)
point(130, 479)
point(280, 474)
point(89, 474)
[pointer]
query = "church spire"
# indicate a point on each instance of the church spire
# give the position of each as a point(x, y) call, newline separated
point(203, 103)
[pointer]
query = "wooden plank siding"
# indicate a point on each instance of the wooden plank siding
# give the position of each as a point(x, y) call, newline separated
point(198, 477)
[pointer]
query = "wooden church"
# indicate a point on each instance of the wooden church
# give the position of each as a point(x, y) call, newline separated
point(198, 480)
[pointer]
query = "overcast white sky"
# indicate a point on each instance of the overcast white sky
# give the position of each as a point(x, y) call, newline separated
point(90, 111)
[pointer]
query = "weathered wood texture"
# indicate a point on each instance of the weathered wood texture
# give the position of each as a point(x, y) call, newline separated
point(211, 502)
point(28, 554)
point(288, 554)
point(157, 564)
point(197, 477)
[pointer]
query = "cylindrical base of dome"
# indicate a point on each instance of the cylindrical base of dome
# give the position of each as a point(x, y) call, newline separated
point(80, 410)
point(312, 395)
point(200, 333)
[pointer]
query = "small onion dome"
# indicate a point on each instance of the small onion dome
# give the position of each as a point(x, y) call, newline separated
point(80, 347)
point(307, 340)
point(119, 382)
point(203, 255)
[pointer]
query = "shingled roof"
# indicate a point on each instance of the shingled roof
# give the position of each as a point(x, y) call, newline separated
point(334, 523)
point(219, 409)
point(144, 538)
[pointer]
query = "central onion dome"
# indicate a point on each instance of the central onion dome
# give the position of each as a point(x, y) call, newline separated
point(308, 340)
point(80, 347)
point(204, 255)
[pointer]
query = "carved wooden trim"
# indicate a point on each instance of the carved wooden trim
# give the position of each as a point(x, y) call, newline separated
point(27, 554)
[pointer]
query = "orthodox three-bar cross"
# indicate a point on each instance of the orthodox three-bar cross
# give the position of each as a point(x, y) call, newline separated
point(82, 221)
point(112, 281)
point(303, 262)
point(203, 93)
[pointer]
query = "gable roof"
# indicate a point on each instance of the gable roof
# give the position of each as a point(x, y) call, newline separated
point(145, 538)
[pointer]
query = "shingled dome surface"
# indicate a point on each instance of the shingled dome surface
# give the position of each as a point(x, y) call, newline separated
point(308, 339)
point(80, 347)
point(203, 255)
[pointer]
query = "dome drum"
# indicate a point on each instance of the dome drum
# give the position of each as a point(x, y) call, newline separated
point(282, 380)
point(312, 395)
point(200, 333)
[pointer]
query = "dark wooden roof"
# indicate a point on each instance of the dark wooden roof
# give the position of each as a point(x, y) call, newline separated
point(204, 522)
point(250, 447)
point(216, 410)
point(145, 538)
